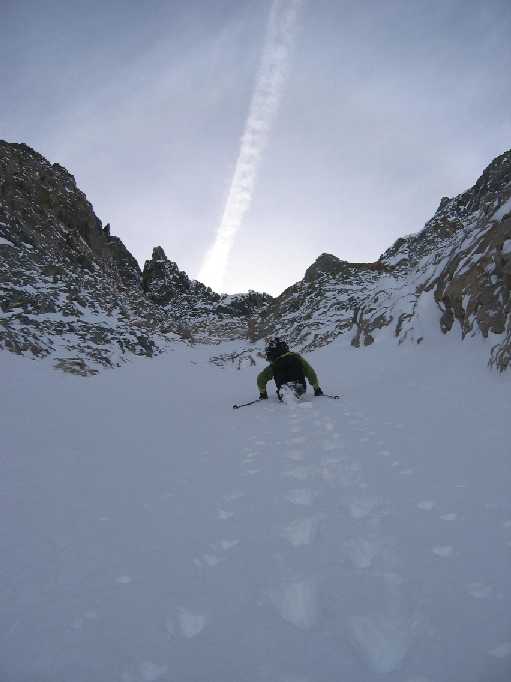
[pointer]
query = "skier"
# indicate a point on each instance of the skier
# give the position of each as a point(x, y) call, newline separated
point(286, 368)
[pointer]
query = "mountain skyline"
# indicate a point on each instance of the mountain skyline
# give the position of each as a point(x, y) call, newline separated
point(69, 285)
point(385, 110)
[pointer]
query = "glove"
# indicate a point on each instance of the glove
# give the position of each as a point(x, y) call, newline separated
point(318, 391)
point(263, 395)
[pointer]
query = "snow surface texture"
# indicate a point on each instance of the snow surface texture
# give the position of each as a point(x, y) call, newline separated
point(149, 532)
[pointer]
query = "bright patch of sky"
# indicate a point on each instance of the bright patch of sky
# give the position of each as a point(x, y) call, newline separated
point(263, 109)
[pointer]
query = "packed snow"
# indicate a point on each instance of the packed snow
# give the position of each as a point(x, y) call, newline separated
point(150, 532)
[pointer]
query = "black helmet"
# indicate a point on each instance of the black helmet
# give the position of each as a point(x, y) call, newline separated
point(275, 348)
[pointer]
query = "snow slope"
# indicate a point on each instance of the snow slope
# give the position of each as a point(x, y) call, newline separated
point(149, 532)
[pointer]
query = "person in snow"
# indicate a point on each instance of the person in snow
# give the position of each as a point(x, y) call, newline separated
point(286, 368)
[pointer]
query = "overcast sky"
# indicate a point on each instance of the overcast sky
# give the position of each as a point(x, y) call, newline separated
point(383, 108)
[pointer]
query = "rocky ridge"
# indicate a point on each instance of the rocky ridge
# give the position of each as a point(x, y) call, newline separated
point(196, 309)
point(455, 273)
point(72, 291)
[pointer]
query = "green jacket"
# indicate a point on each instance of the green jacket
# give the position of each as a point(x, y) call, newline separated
point(267, 374)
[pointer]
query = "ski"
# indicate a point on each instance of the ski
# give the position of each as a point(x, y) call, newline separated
point(252, 402)
point(237, 407)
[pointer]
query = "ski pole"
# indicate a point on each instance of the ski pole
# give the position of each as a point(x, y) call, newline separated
point(237, 407)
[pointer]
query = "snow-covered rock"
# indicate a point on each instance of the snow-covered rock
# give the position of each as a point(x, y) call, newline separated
point(71, 290)
point(68, 288)
point(456, 272)
point(195, 309)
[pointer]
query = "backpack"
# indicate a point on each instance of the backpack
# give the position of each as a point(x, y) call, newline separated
point(288, 368)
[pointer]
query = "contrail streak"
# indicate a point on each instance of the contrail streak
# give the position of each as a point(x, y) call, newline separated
point(273, 69)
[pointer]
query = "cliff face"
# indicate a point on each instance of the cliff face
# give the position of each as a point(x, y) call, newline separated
point(67, 287)
point(204, 315)
point(71, 290)
point(42, 208)
point(455, 273)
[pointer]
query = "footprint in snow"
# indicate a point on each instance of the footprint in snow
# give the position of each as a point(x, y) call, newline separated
point(147, 672)
point(443, 551)
point(228, 544)
point(150, 672)
point(479, 590)
point(329, 473)
point(362, 506)
point(300, 473)
point(124, 580)
point(301, 496)
point(296, 602)
point(251, 472)
point(234, 495)
point(190, 623)
point(383, 641)
point(502, 650)
point(211, 560)
point(302, 531)
point(361, 552)
point(295, 455)
point(449, 517)
point(87, 616)
point(426, 505)
point(328, 461)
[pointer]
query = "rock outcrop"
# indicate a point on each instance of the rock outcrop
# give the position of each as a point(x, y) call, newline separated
point(67, 287)
point(199, 312)
point(453, 273)
point(71, 290)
